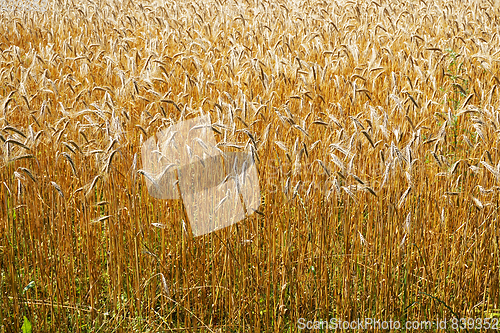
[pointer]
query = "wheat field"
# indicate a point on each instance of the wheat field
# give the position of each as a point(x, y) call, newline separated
point(373, 125)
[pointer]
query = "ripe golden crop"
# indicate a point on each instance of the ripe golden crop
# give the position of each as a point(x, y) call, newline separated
point(373, 125)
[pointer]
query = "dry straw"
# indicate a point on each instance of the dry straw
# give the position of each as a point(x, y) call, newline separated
point(373, 124)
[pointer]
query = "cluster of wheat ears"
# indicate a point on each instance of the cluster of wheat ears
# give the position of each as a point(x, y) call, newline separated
point(374, 127)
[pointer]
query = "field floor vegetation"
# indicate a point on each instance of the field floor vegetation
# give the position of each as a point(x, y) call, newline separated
point(374, 126)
